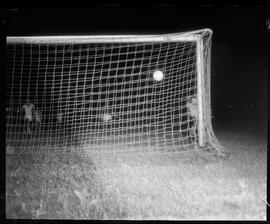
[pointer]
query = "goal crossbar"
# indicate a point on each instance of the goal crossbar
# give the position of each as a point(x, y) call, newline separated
point(175, 37)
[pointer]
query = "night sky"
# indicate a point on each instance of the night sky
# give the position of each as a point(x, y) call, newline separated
point(239, 44)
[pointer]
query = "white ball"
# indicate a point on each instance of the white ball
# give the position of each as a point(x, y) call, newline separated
point(107, 117)
point(158, 75)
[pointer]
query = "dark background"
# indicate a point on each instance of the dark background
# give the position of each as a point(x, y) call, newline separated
point(239, 47)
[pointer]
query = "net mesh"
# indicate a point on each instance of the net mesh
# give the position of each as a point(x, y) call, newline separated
point(103, 96)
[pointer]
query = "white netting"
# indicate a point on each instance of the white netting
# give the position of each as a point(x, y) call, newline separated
point(102, 95)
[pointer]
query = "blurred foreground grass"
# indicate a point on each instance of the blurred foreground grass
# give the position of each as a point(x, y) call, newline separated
point(141, 186)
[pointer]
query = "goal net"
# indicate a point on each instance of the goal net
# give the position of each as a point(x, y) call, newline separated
point(147, 93)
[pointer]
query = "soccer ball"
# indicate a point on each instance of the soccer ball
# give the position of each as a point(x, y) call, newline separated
point(106, 117)
point(158, 75)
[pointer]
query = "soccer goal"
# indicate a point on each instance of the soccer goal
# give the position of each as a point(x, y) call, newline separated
point(124, 93)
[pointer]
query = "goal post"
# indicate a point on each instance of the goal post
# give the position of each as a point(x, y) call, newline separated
point(199, 52)
point(113, 93)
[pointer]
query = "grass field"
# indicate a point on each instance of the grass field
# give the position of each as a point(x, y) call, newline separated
point(180, 186)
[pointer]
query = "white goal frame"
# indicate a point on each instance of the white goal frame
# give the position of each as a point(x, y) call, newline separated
point(194, 36)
